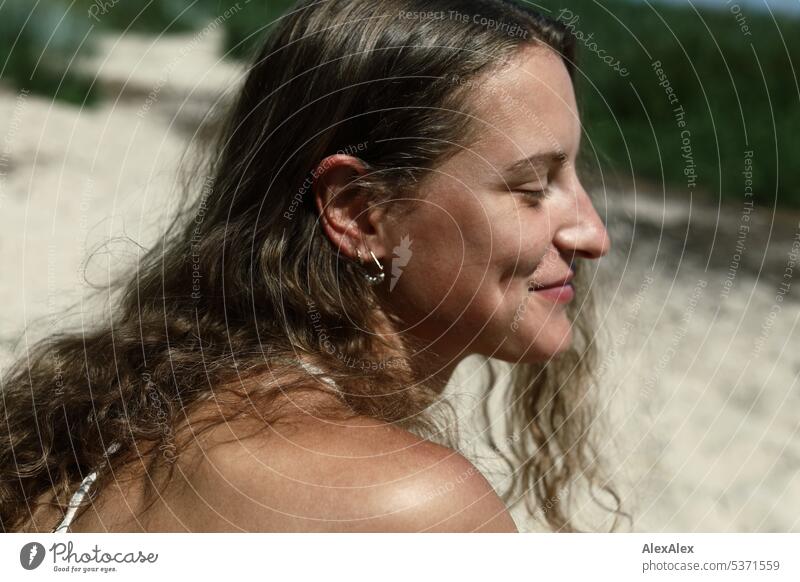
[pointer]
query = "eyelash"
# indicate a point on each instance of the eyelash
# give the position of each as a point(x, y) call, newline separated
point(537, 195)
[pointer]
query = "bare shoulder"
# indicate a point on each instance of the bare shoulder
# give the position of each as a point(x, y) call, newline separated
point(317, 475)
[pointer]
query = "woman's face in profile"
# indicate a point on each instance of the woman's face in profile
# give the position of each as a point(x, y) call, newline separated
point(503, 216)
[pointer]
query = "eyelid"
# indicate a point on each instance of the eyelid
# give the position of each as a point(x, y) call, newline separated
point(532, 188)
point(536, 187)
point(534, 196)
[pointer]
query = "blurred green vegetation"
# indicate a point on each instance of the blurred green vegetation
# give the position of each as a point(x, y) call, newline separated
point(737, 87)
point(38, 43)
point(738, 92)
point(41, 40)
point(149, 16)
point(245, 28)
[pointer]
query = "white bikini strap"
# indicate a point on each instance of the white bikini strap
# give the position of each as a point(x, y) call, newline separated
point(75, 502)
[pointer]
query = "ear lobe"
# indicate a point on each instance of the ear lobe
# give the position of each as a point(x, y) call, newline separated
point(342, 206)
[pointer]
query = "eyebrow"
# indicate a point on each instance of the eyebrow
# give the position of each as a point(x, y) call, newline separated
point(541, 160)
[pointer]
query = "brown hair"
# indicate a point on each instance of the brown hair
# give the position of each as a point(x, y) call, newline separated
point(244, 280)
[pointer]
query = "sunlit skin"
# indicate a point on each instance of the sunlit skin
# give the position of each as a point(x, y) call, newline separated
point(483, 233)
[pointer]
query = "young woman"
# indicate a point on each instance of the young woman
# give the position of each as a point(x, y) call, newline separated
point(394, 190)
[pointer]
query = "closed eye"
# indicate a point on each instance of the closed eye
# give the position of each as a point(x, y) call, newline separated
point(534, 195)
point(531, 192)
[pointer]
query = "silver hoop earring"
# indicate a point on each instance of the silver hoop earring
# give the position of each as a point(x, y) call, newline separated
point(373, 279)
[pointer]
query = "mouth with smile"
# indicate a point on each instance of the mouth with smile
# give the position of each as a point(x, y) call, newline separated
point(558, 290)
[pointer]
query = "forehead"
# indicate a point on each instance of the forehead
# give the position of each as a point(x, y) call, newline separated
point(528, 106)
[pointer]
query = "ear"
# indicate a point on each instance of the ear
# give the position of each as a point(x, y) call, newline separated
point(346, 215)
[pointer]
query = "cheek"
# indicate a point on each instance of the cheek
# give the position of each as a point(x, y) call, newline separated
point(442, 268)
point(447, 243)
point(520, 248)
point(462, 251)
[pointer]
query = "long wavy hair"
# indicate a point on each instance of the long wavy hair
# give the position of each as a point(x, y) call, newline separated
point(243, 281)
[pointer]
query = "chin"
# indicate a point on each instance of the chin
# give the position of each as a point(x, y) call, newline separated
point(528, 342)
point(544, 345)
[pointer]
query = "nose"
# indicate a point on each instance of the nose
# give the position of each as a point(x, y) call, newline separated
point(582, 232)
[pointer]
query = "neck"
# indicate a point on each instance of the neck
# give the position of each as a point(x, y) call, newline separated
point(430, 361)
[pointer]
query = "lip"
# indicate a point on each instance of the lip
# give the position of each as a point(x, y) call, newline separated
point(557, 294)
point(559, 291)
